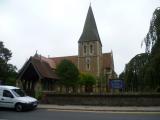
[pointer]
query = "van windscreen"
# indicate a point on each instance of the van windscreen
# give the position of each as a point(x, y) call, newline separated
point(18, 93)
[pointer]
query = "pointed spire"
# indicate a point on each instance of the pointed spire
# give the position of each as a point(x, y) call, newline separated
point(90, 31)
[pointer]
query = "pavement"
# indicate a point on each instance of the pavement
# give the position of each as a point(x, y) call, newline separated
point(100, 108)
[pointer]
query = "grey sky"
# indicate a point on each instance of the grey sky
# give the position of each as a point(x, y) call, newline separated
point(53, 27)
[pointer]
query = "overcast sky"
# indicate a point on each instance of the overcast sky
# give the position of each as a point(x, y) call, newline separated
point(53, 27)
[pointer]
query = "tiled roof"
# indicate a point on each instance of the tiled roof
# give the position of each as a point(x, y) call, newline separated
point(51, 63)
point(44, 66)
point(107, 60)
point(74, 59)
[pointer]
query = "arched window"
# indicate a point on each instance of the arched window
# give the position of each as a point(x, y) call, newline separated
point(88, 66)
point(87, 63)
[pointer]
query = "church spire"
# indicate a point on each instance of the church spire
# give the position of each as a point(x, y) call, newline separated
point(90, 31)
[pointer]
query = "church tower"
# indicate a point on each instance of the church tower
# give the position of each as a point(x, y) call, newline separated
point(90, 47)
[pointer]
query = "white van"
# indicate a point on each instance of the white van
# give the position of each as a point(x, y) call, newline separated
point(13, 97)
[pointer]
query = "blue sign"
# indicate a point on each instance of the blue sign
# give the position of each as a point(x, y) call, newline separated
point(116, 84)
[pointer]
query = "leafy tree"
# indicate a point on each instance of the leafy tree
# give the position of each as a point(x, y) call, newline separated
point(152, 42)
point(5, 54)
point(122, 75)
point(88, 81)
point(152, 39)
point(134, 72)
point(142, 73)
point(68, 73)
point(7, 71)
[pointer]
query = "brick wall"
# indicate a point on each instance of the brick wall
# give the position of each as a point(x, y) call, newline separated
point(103, 100)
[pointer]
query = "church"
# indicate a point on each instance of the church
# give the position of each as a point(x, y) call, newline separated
point(90, 59)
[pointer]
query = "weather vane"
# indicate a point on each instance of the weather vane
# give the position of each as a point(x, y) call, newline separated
point(91, 1)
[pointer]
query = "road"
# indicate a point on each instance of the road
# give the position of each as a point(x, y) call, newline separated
point(50, 114)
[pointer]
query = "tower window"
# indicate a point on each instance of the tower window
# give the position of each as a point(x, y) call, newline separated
point(88, 64)
point(85, 49)
point(91, 49)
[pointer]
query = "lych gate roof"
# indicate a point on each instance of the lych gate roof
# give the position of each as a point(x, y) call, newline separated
point(90, 31)
point(50, 62)
point(44, 67)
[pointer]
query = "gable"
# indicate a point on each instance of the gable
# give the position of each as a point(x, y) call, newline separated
point(42, 67)
point(108, 61)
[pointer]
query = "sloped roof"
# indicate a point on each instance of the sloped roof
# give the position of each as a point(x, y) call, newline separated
point(57, 60)
point(107, 60)
point(43, 66)
point(90, 31)
point(50, 62)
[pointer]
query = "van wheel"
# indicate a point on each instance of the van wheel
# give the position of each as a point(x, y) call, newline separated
point(19, 107)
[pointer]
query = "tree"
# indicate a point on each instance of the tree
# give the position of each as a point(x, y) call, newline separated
point(68, 73)
point(7, 71)
point(134, 72)
point(142, 73)
point(122, 75)
point(152, 42)
point(88, 81)
point(152, 39)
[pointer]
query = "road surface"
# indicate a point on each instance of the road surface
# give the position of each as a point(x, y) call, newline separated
point(50, 114)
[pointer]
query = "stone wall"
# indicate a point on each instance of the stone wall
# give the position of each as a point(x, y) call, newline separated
point(102, 100)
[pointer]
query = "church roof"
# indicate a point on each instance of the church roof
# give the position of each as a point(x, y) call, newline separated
point(107, 60)
point(57, 60)
point(90, 31)
point(45, 67)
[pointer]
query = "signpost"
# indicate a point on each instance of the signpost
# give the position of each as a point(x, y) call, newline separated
point(116, 84)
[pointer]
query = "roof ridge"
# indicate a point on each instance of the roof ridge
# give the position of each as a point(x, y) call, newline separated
point(64, 56)
point(49, 61)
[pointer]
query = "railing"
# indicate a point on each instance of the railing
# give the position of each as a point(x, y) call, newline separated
point(30, 92)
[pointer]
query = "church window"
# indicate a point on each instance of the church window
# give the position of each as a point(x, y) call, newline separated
point(85, 49)
point(88, 64)
point(91, 49)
